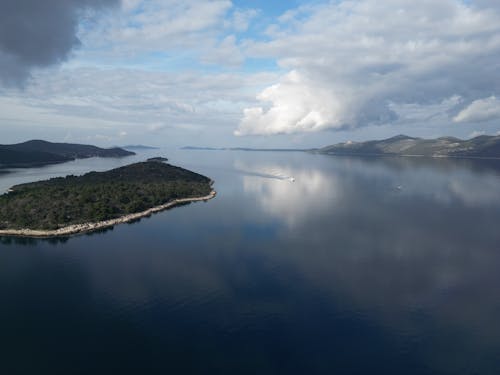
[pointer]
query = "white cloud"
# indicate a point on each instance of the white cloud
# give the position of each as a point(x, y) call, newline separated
point(297, 105)
point(356, 60)
point(225, 53)
point(157, 32)
point(161, 67)
point(130, 101)
point(158, 21)
point(480, 110)
point(241, 19)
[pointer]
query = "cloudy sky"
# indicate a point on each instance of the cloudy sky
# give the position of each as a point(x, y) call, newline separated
point(247, 73)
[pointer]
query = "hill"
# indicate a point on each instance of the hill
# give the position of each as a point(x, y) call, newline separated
point(37, 153)
point(402, 145)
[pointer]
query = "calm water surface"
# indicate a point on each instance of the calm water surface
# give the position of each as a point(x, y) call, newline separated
point(360, 266)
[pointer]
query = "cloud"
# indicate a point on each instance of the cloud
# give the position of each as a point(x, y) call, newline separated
point(297, 105)
point(160, 25)
point(480, 110)
point(351, 63)
point(224, 53)
point(142, 103)
point(169, 34)
point(36, 33)
point(241, 19)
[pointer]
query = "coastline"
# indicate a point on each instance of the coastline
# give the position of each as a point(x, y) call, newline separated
point(75, 229)
point(411, 156)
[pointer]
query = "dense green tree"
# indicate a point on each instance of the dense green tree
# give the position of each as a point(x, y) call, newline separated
point(98, 196)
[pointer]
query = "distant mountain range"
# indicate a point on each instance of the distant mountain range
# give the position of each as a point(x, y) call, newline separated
point(37, 153)
point(483, 146)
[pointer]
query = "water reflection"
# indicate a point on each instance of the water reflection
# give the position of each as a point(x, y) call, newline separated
point(419, 255)
point(340, 269)
point(26, 241)
point(310, 191)
point(316, 189)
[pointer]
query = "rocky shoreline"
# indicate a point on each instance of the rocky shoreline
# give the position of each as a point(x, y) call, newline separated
point(91, 227)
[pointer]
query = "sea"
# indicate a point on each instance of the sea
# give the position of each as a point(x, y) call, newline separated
point(302, 264)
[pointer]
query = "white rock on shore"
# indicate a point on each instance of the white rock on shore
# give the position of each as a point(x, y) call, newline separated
point(90, 227)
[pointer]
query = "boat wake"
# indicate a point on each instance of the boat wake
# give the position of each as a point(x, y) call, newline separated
point(272, 172)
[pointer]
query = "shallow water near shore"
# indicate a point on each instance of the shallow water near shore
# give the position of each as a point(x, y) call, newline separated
point(302, 264)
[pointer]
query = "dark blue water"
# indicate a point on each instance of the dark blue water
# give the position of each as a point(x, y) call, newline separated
point(359, 266)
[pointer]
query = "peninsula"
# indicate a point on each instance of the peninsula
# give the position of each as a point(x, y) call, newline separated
point(483, 146)
point(37, 153)
point(96, 200)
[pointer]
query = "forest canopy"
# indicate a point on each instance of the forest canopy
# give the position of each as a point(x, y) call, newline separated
point(98, 196)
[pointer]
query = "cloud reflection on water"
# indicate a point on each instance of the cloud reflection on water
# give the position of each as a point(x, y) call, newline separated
point(310, 191)
point(420, 255)
point(340, 243)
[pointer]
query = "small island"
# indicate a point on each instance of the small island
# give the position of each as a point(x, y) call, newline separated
point(70, 205)
point(159, 159)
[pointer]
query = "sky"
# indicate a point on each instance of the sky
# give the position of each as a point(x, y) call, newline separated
point(243, 73)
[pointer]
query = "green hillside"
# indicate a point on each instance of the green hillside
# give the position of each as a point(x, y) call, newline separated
point(98, 196)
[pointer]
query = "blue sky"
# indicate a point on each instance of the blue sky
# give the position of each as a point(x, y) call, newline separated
point(251, 73)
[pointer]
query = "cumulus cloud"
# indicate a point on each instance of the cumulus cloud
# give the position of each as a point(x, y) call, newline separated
point(351, 63)
point(297, 105)
point(480, 110)
point(36, 33)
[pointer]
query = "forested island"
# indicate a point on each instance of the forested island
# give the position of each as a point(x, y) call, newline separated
point(69, 205)
point(37, 153)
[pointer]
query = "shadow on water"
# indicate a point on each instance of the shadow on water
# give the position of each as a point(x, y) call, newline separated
point(59, 240)
point(28, 241)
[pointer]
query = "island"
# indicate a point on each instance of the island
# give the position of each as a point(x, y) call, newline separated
point(77, 204)
point(159, 159)
point(139, 147)
point(38, 153)
point(483, 146)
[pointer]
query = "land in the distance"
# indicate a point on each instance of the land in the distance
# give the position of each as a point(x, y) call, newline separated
point(62, 206)
point(159, 159)
point(479, 147)
point(37, 153)
point(139, 147)
point(194, 148)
